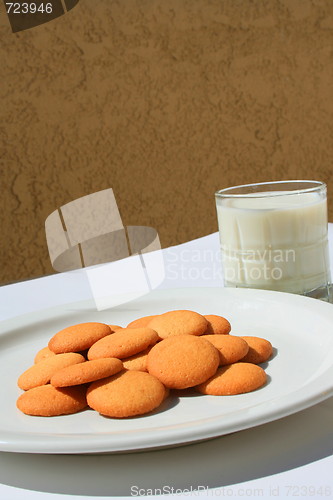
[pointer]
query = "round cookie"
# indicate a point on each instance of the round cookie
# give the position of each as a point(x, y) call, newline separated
point(43, 354)
point(89, 371)
point(217, 325)
point(182, 361)
point(260, 350)
point(48, 401)
point(126, 394)
point(141, 322)
point(178, 323)
point(237, 378)
point(78, 338)
point(137, 362)
point(123, 343)
point(41, 373)
point(230, 347)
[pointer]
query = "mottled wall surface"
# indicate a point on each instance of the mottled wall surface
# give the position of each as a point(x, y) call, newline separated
point(165, 102)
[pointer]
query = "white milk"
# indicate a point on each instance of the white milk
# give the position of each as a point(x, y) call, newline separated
point(278, 242)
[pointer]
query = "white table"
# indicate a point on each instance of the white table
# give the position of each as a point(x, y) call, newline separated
point(288, 458)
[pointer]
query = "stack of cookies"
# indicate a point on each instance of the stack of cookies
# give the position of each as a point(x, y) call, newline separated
point(125, 372)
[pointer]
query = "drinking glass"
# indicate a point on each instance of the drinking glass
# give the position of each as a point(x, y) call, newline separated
point(273, 236)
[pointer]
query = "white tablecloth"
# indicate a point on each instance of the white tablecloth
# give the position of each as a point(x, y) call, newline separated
point(291, 457)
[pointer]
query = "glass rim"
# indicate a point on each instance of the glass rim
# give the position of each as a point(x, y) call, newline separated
point(227, 192)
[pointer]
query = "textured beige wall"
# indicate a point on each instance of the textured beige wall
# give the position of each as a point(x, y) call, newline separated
point(165, 101)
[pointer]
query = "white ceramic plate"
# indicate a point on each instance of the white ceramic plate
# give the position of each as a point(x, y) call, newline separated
point(300, 373)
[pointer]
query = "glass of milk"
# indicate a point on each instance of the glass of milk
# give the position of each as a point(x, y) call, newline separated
point(274, 236)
